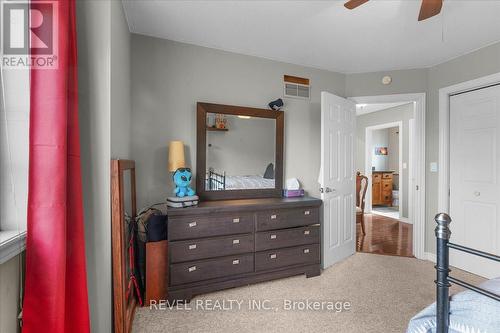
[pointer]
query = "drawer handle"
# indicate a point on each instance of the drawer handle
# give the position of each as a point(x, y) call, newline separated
point(192, 224)
point(236, 241)
point(192, 268)
point(192, 246)
point(307, 232)
point(273, 236)
point(273, 256)
point(236, 220)
point(306, 250)
point(236, 262)
point(307, 212)
point(274, 216)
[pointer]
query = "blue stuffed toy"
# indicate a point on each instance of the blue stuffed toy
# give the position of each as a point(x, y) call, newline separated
point(182, 179)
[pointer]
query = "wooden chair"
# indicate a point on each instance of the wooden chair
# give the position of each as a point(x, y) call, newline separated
point(361, 187)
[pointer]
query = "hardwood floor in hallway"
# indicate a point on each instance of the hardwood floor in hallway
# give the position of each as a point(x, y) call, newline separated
point(385, 236)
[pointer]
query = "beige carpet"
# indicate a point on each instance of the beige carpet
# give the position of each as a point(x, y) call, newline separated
point(384, 292)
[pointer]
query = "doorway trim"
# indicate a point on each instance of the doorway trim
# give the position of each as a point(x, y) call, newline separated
point(444, 133)
point(368, 161)
point(419, 158)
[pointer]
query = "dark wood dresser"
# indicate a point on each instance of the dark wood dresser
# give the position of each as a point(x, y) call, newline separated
point(230, 243)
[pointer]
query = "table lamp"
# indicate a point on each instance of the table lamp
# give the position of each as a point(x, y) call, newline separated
point(181, 175)
point(176, 158)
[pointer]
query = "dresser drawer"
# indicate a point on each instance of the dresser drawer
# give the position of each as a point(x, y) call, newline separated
point(210, 268)
point(207, 226)
point(210, 247)
point(287, 218)
point(306, 254)
point(286, 238)
point(387, 176)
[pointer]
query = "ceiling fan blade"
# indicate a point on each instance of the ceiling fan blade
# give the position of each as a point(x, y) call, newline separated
point(429, 8)
point(351, 4)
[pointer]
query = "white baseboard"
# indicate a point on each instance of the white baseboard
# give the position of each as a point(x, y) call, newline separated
point(430, 256)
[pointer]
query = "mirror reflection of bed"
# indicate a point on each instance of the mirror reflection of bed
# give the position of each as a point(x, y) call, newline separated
point(240, 152)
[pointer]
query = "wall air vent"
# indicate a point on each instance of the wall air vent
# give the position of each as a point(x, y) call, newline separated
point(296, 87)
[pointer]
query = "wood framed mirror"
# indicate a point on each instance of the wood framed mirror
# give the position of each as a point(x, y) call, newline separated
point(239, 152)
point(123, 212)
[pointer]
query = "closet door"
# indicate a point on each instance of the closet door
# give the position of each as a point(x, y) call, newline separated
point(474, 178)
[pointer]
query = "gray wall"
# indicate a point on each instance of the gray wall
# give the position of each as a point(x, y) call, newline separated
point(94, 43)
point(401, 113)
point(168, 78)
point(121, 109)
point(105, 112)
point(9, 294)
point(369, 84)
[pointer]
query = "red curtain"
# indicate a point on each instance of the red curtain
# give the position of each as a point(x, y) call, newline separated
point(56, 298)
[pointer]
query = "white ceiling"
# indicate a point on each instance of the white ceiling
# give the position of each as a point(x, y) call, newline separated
point(369, 108)
point(379, 35)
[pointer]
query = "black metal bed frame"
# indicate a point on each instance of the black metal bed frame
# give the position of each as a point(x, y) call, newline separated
point(444, 280)
point(215, 181)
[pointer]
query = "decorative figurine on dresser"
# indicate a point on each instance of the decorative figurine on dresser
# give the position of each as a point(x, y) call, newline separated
point(242, 231)
point(181, 175)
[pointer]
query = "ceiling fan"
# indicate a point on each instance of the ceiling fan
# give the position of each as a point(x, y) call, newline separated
point(429, 8)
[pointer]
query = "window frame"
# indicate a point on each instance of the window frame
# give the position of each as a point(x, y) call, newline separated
point(12, 243)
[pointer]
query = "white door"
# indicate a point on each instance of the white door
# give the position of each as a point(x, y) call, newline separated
point(475, 178)
point(337, 178)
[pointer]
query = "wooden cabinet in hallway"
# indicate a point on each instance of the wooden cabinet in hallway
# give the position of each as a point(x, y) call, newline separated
point(382, 188)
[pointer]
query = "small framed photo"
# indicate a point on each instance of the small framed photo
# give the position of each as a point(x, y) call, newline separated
point(381, 151)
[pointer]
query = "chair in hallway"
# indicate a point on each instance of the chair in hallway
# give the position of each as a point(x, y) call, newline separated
point(361, 187)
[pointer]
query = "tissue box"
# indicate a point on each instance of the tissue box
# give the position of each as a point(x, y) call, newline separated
point(293, 193)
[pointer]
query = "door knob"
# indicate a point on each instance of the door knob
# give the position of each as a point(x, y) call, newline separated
point(326, 190)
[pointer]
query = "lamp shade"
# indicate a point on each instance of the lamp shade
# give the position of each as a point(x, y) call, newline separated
point(176, 156)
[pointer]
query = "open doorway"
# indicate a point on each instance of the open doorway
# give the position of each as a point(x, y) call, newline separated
point(390, 155)
point(386, 161)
